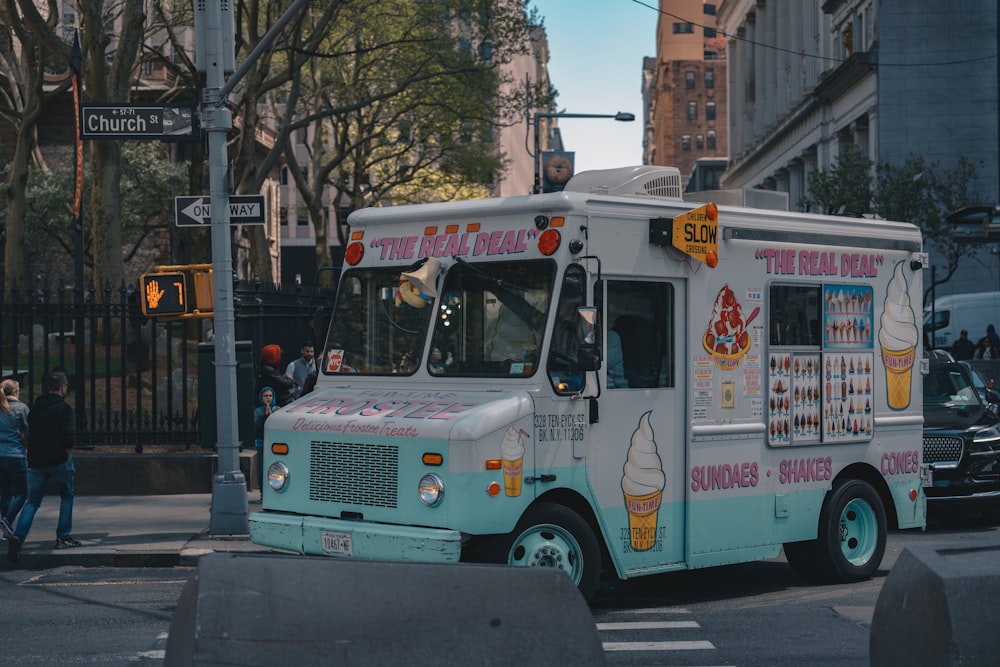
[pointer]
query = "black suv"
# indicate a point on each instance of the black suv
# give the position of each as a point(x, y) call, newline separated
point(961, 442)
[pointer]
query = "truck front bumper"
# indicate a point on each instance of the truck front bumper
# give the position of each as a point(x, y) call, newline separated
point(354, 539)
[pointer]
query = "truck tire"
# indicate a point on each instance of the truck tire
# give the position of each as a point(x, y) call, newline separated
point(550, 535)
point(851, 537)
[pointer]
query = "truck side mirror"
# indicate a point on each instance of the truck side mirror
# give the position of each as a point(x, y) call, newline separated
point(588, 355)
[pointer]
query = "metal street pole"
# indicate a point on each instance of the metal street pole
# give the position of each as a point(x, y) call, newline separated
point(229, 489)
point(623, 116)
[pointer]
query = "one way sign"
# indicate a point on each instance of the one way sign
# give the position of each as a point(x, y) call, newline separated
point(197, 211)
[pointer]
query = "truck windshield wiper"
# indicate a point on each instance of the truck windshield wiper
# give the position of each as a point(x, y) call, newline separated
point(508, 293)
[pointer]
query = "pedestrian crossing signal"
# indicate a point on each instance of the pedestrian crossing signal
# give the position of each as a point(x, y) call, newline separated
point(163, 294)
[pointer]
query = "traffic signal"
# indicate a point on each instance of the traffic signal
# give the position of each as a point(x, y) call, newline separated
point(163, 294)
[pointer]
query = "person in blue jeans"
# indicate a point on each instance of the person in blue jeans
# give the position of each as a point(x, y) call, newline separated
point(51, 433)
point(13, 464)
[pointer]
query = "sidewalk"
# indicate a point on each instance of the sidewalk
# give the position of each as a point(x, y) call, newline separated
point(130, 531)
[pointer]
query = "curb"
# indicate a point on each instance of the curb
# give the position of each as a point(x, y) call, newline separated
point(178, 553)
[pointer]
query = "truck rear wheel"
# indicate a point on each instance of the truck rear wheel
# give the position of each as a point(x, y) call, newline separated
point(550, 535)
point(851, 538)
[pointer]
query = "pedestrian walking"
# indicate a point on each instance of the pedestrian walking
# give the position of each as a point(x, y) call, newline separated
point(991, 333)
point(51, 433)
point(986, 350)
point(300, 369)
point(13, 461)
point(963, 348)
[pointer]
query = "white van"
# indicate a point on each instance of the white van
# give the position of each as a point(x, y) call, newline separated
point(952, 313)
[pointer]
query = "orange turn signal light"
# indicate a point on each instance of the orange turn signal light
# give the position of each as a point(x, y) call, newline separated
point(493, 489)
point(494, 464)
point(279, 448)
point(432, 459)
point(913, 494)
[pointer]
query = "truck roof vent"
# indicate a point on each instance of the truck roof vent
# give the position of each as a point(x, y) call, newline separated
point(644, 181)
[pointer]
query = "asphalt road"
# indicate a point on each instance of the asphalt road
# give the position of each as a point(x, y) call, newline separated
point(743, 615)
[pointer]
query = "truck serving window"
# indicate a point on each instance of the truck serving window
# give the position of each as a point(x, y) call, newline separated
point(375, 331)
point(490, 319)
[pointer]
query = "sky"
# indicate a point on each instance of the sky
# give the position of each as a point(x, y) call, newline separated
point(596, 49)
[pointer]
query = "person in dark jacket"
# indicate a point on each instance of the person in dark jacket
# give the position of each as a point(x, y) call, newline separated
point(270, 375)
point(51, 433)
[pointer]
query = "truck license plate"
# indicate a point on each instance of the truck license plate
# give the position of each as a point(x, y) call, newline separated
point(338, 544)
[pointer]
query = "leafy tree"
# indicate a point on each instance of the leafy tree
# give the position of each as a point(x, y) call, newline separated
point(400, 102)
point(23, 58)
point(916, 191)
point(149, 184)
point(843, 189)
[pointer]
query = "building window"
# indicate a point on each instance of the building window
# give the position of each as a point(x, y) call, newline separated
point(283, 176)
point(685, 142)
point(710, 78)
point(486, 51)
point(683, 28)
point(699, 142)
point(709, 33)
point(711, 139)
point(710, 8)
point(692, 111)
point(709, 110)
point(689, 80)
point(283, 216)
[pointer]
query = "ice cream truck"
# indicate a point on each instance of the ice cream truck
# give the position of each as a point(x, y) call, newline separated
point(609, 380)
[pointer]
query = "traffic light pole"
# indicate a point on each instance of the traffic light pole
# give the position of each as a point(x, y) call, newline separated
point(229, 489)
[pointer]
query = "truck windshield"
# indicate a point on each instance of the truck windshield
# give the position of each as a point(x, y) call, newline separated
point(490, 319)
point(374, 330)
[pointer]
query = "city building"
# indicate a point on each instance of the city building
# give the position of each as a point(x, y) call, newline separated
point(685, 88)
point(892, 78)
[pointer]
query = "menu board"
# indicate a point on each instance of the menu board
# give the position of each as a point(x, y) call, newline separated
point(794, 405)
point(816, 398)
point(847, 397)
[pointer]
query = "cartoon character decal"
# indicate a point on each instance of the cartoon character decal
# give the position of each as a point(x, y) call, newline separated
point(417, 288)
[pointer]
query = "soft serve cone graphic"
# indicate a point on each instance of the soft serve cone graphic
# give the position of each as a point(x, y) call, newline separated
point(898, 338)
point(642, 485)
point(512, 455)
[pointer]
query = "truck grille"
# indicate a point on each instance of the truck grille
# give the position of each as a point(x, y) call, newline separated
point(356, 474)
point(941, 449)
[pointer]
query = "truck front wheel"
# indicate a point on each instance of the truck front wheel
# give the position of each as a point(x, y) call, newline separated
point(550, 535)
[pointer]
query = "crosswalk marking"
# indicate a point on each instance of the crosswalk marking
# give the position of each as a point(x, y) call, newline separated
point(658, 646)
point(647, 625)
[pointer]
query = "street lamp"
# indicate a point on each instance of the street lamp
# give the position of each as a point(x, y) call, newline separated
point(620, 116)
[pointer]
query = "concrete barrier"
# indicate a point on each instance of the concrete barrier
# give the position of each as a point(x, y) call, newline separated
point(939, 607)
point(296, 610)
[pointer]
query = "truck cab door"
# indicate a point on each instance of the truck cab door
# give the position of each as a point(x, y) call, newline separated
point(636, 453)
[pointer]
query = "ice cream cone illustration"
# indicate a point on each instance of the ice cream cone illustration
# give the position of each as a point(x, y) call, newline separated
point(512, 456)
point(642, 485)
point(898, 338)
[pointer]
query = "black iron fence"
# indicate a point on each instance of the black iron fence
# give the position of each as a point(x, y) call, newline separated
point(133, 380)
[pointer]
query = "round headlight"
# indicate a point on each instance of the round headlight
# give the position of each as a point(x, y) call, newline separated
point(430, 490)
point(277, 475)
